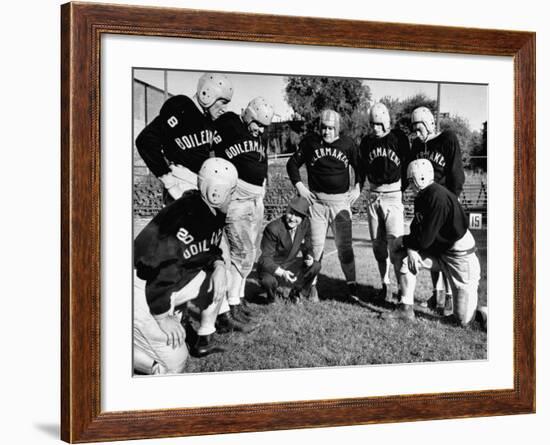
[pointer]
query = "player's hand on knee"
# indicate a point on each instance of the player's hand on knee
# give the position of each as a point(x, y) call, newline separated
point(304, 192)
point(413, 260)
point(308, 261)
point(218, 282)
point(172, 328)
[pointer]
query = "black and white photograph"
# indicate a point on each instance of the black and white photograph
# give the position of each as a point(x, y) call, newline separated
point(275, 222)
point(306, 221)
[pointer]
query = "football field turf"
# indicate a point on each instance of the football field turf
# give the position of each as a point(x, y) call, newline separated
point(339, 332)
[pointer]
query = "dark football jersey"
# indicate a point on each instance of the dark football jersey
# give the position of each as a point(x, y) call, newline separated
point(444, 153)
point(383, 160)
point(232, 141)
point(439, 220)
point(179, 242)
point(181, 134)
point(327, 165)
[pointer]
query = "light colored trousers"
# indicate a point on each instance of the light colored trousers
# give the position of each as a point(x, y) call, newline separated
point(243, 226)
point(462, 269)
point(151, 354)
point(385, 213)
point(333, 211)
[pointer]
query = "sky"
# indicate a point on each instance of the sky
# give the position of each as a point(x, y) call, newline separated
point(466, 100)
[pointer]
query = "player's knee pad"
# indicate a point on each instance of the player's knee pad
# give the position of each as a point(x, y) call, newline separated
point(395, 259)
point(380, 250)
point(343, 237)
point(345, 254)
point(342, 225)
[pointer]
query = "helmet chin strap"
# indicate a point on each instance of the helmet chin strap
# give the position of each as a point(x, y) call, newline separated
point(200, 106)
point(386, 132)
point(210, 206)
point(332, 140)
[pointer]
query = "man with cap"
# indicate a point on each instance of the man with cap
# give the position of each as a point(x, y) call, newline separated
point(280, 267)
point(330, 159)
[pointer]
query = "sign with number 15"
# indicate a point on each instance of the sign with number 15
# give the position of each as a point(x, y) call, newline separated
point(476, 221)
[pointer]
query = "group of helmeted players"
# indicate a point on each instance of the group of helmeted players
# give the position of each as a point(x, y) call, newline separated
point(201, 246)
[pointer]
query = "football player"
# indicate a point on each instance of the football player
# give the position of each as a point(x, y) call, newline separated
point(329, 158)
point(238, 140)
point(177, 258)
point(382, 161)
point(442, 149)
point(175, 144)
point(440, 241)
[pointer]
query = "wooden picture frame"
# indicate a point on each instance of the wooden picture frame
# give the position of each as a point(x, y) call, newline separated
point(82, 26)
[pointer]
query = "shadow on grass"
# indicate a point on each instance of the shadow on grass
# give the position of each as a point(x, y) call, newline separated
point(335, 289)
point(430, 315)
point(329, 288)
point(253, 290)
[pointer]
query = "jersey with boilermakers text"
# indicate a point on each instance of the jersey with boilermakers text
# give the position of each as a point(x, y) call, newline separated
point(383, 160)
point(439, 220)
point(232, 141)
point(179, 242)
point(181, 134)
point(327, 165)
point(444, 153)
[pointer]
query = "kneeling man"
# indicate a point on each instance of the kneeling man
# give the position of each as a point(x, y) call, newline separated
point(177, 258)
point(279, 266)
point(439, 240)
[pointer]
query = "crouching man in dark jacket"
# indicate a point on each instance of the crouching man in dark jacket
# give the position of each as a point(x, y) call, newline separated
point(280, 268)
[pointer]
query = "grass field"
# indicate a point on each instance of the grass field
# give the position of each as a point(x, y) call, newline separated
point(336, 332)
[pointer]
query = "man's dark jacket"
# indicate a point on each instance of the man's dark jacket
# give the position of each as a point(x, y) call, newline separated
point(278, 249)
